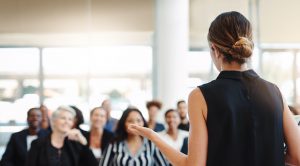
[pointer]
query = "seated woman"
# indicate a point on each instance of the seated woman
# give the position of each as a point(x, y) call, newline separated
point(98, 138)
point(173, 136)
point(78, 120)
point(64, 146)
point(129, 148)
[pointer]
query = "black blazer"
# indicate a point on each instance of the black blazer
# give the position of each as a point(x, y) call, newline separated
point(80, 155)
point(185, 145)
point(107, 137)
point(16, 149)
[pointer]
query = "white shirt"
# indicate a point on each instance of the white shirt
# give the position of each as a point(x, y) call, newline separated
point(29, 139)
point(174, 143)
point(97, 152)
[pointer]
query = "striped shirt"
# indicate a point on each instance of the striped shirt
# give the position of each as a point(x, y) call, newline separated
point(118, 154)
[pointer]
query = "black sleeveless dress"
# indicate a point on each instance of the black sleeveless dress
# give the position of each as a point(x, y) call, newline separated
point(244, 120)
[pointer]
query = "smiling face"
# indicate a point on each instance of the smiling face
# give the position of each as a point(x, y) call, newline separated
point(133, 118)
point(182, 109)
point(172, 119)
point(34, 118)
point(98, 118)
point(63, 122)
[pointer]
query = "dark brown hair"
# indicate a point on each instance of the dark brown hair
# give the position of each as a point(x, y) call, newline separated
point(121, 132)
point(231, 33)
point(94, 109)
point(79, 117)
point(155, 103)
point(171, 110)
point(179, 102)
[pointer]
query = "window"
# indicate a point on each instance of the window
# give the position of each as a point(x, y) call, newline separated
point(19, 68)
point(86, 76)
point(278, 68)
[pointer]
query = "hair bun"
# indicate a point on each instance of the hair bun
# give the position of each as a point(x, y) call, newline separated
point(243, 48)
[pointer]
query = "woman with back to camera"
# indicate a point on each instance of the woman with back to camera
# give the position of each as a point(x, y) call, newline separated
point(239, 119)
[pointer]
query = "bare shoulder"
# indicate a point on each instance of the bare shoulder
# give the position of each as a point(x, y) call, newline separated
point(197, 102)
point(195, 92)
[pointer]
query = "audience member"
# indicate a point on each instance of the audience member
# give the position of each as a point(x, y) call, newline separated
point(172, 135)
point(20, 142)
point(45, 118)
point(64, 146)
point(78, 120)
point(111, 123)
point(130, 149)
point(98, 138)
point(153, 107)
point(182, 109)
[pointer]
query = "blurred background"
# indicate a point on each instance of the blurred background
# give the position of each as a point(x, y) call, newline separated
point(80, 52)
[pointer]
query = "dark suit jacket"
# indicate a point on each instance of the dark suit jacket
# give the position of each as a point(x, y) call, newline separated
point(16, 149)
point(80, 155)
point(107, 137)
point(184, 148)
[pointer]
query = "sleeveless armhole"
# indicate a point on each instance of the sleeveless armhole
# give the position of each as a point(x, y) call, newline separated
point(205, 102)
point(280, 95)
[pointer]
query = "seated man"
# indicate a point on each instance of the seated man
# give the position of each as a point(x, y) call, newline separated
point(111, 123)
point(184, 121)
point(19, 143)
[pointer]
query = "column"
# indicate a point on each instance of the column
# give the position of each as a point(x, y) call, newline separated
point(170, 48)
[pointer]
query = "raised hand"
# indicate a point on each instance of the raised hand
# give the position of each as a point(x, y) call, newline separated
point(76, 135)
point(142, 131)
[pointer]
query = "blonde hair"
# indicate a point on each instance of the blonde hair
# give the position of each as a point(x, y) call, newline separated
point(60, 109)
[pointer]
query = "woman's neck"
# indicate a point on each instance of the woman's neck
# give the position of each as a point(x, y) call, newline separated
point(96, 137)
point(134, 143)
point(234, 66)
point(96, 131)
point(57, 139)
point(133, 138)
point(173, 132)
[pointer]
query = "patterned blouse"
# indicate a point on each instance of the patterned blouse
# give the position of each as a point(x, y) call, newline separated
point(118, 154)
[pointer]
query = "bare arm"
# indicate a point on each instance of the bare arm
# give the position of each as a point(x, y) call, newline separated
point(45, 119)
point(198, 135)
point(198, 141)
point(292, 137)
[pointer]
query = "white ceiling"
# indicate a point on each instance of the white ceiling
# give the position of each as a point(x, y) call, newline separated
point(106, 22)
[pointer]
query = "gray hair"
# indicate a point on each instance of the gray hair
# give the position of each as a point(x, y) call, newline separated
point(60, 109)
